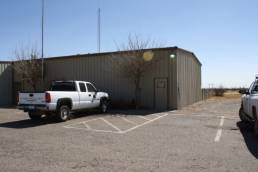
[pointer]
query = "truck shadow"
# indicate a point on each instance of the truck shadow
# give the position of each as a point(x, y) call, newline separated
point(246, 130)
point(27, 123)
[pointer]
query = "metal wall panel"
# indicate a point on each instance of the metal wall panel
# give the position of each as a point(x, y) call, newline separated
point(189, 78)
point(183, 74)
point(159, 70)
point(172, 61)
point(106, 76)
point(5, 84)
point(97, 70)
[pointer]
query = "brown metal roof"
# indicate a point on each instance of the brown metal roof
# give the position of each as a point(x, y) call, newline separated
point(118, 52)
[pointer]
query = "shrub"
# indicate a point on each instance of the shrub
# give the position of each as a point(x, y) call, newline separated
point(220, 91)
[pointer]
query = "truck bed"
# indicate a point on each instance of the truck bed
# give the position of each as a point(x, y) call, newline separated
point(31, 98)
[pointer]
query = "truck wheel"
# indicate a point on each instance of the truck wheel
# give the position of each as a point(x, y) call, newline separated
point(63, 113)
point(103, 106)
point(256, 128)
point(241, 115)
point(255, 122)
point(34, 116)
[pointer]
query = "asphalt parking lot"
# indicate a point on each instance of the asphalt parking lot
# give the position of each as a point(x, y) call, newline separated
point(206, 136)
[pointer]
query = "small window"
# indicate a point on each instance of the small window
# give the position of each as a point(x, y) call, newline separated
point(63, 86)
point(255, 89)
point(82, 87)
point(91, 88)
point(251, 87)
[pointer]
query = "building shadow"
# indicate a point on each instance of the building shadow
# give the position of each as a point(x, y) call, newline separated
point(117, 112)
point(142, 112)
point(246, 130)
point(8, 107)
point(26, 123)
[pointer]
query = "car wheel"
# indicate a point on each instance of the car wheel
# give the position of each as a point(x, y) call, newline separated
point(103, 106)
point(63, 113)
point(34, 116)
point(256, 128)
point(241, 115)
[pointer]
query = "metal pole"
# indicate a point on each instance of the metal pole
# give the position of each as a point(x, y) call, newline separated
point(42, 41)
point(99, 19)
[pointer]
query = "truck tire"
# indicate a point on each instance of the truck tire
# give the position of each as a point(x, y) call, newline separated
point(241, 115)
point(103, 106)
point(256, 128)
point(34, 116)
point(255, 121)
point(63, 113)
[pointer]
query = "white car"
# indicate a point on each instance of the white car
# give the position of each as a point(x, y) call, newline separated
point(63, 97)
point(249, 105)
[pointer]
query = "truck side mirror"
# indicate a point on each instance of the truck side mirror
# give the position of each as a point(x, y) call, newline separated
point(243, 91)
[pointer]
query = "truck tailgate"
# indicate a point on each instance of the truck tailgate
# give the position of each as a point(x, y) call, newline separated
point(31, 98)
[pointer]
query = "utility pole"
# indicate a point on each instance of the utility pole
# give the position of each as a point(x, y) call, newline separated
point(42, 40)
point(99, 20)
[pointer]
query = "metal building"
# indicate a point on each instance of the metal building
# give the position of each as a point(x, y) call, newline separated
point(172, 83)
point(5, 83)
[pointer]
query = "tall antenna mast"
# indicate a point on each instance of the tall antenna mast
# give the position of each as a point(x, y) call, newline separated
point(99, 20)
point(42, 40)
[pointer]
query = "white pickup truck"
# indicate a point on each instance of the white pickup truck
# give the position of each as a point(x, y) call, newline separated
point(249, 105)
point(63, 97)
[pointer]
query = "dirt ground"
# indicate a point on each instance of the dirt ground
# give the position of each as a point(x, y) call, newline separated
point(206, 136)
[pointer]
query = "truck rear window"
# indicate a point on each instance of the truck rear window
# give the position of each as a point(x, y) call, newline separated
point(255, 88)
point(63, 86)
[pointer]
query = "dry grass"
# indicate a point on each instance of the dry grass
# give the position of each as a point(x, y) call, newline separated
point(228, 96)
point(232, 94)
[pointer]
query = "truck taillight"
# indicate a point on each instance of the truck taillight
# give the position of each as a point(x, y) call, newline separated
point(47, 97)
point(17, 99)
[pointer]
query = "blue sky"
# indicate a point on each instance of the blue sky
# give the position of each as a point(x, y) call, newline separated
point(222, 33)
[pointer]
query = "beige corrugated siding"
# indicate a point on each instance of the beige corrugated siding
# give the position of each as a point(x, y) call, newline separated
point(183, 74)
point(172, 80)
point(160, 70)
point(106, 76)
point(189, 78)
point(5, 84)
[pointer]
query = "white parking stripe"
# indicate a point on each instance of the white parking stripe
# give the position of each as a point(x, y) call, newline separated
point(147, 122)
point(86, 125)
point(221, 121)
point(69, 126)
point(219, 132)
point(143, 118)
point(155, 115)
point(202, 115)
point(110, 124)
point(105, 131)
point(129, 121)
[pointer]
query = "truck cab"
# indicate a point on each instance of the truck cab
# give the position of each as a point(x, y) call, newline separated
point(249, 105)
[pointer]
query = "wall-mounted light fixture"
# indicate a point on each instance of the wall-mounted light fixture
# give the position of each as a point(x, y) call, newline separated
point(172, 56)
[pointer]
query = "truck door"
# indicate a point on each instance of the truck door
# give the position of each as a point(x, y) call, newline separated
point(92, 91)
point(253, 99)
point(247, 101)
point(83, 96)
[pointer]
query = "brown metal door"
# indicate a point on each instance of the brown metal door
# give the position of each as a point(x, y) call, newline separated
point(161, 94)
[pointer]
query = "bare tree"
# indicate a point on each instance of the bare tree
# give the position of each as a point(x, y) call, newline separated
point(220, 91)
point(134, 59)
point(28, 66)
